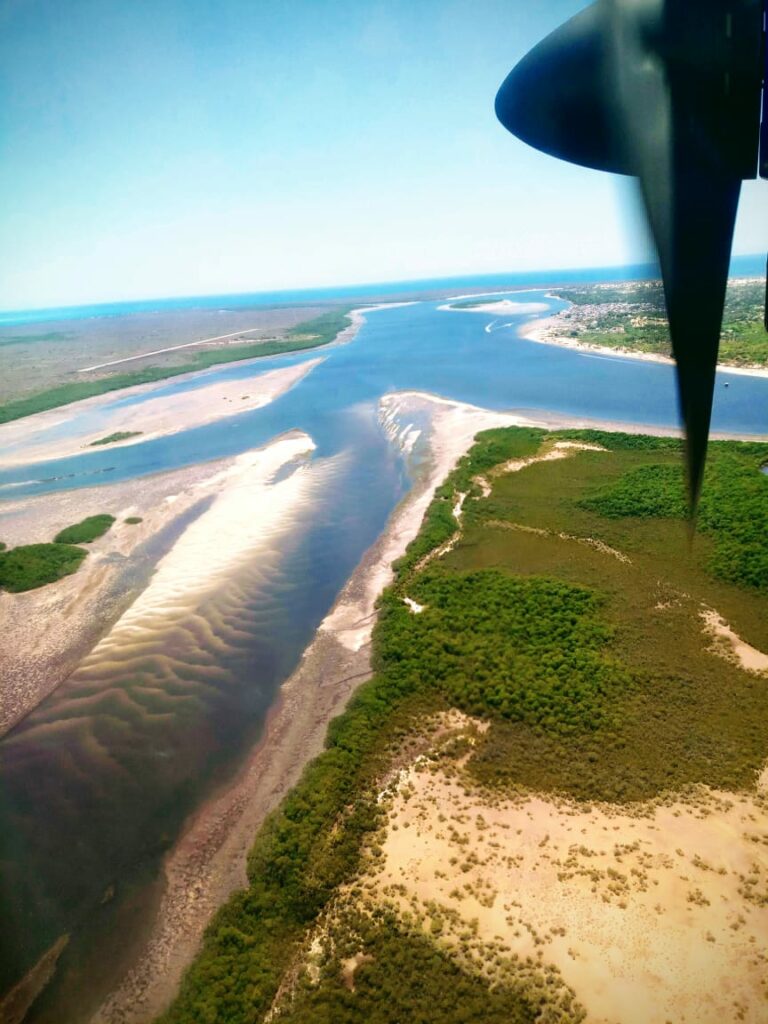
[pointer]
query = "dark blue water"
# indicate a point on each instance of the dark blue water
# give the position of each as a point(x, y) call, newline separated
point(95, 783)
point(741, 266)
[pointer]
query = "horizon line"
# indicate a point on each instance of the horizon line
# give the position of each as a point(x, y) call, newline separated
point(360, 288)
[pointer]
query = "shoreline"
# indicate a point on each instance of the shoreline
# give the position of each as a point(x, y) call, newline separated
point(161, 417)
point(155, 416)
point(208, 862)
point(536, 331)
point(59, 626)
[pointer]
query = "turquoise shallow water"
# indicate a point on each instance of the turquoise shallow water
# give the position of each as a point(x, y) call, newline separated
point(95, 783)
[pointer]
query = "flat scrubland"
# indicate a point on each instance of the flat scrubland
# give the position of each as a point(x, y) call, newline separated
point(632, 317)
point(547, 804)
point(42, 364)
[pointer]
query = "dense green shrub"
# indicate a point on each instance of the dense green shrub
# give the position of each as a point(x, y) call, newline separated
point(119, 435)
point(85, 531)
point(33, 565)
point(528, 649)
point(401, 976)
point(733, 508)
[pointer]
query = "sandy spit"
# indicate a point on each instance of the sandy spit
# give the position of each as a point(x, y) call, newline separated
point(543, 331)
point(730, 645)
point(209, 860)
point(155, 416)
point(501, 307)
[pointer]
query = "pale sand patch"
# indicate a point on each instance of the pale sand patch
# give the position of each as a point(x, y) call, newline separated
point(414, 606)
point(157, 416)
point(248, 512)
point(649, 915)
point(559, 450)
point(544, 332)
point(733, 647)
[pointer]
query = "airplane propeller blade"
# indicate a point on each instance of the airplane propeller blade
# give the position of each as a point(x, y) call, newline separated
point(669, 93)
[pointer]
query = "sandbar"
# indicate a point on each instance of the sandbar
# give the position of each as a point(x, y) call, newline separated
point(204, 510)
point(500, 307)
point(26, 441)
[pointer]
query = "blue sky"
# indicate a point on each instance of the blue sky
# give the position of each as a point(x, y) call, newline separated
point(177, 147)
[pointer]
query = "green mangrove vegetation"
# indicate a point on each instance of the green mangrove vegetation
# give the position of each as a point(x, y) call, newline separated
point(86, 531)
point(30, 566)
point(401, 975)
point(311, 334)
point(566, 615)
point(119, 435)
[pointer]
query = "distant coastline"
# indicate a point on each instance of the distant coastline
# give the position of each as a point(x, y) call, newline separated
point(538, 330)
point(337, 325)
point(355, 294)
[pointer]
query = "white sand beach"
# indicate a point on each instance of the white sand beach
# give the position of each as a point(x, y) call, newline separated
point(500, 307)
point(544, 331)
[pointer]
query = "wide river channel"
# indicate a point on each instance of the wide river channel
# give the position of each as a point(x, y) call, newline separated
point(95, 784)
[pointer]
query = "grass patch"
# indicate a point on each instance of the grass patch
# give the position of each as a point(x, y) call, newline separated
point(34, 565)
point(86, 531)
point(133, 520)
point(119, 435)
point(312, 333)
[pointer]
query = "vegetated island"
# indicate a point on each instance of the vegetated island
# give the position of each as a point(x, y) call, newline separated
point(321, 330)
point(630, 318)
point(30, 566)
point(549, 794)
point(118, 435)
